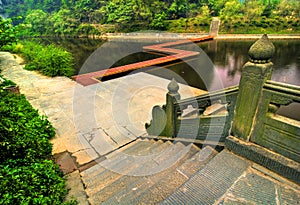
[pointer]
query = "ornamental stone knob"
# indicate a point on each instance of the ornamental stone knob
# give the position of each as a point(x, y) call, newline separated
point(262, 50)
point(173, 87)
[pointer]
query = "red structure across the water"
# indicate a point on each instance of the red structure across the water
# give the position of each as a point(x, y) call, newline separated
point(174, 54)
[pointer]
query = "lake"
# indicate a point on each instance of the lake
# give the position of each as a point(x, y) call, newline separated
point(227, 57)
point(218, 65)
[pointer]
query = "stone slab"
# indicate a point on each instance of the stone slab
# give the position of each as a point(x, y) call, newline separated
point(76, 189)
point(255, 188)
point(210, 183)
point(65, 162)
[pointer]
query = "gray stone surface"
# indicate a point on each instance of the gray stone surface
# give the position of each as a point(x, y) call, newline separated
point(255, 188)
point(94, 120)
point(89, 124)
point(210, 183)
point(77, 191)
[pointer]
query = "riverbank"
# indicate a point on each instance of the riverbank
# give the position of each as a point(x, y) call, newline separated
point(170, 36)
point(166, 35)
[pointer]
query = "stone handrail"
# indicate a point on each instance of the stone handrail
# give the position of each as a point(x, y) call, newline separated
point(205, 100)
point(192, 117)
point(248, 111)
point(258, 132)
point(276, 132)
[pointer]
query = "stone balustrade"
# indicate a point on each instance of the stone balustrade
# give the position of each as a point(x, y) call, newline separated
point(244, 116)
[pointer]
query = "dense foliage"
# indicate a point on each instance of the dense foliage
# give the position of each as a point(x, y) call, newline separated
point(8, 32)
point(50, 60)
point(27, 173)
point(24, 134)
point(91, 17)
point(37, 182)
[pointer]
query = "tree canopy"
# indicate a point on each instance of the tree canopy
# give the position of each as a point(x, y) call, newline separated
point(85, 17)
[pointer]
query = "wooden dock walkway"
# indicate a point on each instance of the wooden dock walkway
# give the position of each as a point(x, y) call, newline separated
point(173, 55)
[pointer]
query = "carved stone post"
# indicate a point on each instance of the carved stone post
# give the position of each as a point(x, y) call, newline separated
point(214, 27)
point(254, 74)
point(171, 115)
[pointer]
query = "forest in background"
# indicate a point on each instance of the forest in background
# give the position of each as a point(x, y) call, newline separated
point(93, 17)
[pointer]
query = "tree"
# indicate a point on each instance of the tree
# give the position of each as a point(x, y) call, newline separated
point(253, 9)
point(64, 23)
point(290, 9)
point(215, 6)
point(37, 21)
point(8, 32)
point(178, 9)
point(231, 9)
point(158, 21)
point(120, 12)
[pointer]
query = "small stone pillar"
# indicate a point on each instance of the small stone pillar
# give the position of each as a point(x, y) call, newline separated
point(254, 74)
point(171, 115)
point(214, 27)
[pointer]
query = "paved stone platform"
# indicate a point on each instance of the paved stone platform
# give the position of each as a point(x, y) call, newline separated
point(95, 120)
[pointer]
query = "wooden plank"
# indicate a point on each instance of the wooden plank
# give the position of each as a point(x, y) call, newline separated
point(175, 54)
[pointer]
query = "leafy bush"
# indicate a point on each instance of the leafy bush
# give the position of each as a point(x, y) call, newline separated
point(8, 32)
point(27, 175)
point(50, 60)
point(31, 50)
point(13, 48)
point(85, 30)
point(158, 21)
point(23, 133)
point(31, 183)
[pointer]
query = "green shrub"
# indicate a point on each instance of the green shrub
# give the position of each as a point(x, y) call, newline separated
point(5, 82)
point(31, 183)
point(23, 133)
point(31, 50)
point(27, 175)
point(49, 60)
point(8, 32)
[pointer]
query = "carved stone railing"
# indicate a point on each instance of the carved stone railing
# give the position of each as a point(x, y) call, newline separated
point(211, 120)
point(205, 117)
point(273, 131)
point(258, 132)
point(248, 112)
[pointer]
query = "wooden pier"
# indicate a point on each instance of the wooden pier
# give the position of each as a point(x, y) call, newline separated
point(173, 55)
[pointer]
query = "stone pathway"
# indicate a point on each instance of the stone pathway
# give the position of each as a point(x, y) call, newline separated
point(95, 120)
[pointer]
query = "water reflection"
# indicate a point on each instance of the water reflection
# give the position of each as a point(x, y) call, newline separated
point(229, 57)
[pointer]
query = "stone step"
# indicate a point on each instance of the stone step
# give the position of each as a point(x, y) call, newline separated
point(174, 178)
point(198, 161)
point(123, 181)
point(129, 194)
point(115, 166)
point(147, 150)
point(111, 158)
point(211, 183)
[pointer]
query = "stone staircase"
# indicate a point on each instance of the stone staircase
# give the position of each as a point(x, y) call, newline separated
point(145, 171)
point(161, 171)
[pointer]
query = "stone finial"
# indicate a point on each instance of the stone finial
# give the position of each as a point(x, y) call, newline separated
point(173, 87)
point(262, 50)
